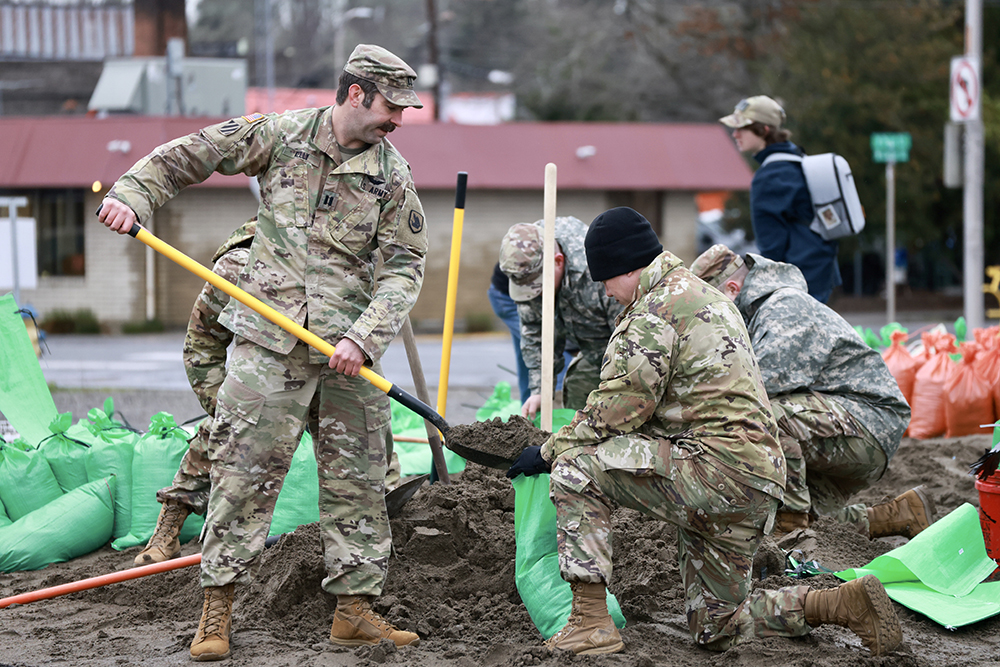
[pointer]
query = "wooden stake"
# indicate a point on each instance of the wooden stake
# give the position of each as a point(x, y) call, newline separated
point(548, 297)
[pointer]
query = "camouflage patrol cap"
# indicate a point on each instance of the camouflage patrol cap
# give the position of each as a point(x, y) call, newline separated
point(393, 77)
point(759, 109)
point(521, 260)
point(716, 265)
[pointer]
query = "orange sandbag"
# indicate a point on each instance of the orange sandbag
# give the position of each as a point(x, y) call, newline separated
point(901, 364)
point(927, 407)
point(968, 397)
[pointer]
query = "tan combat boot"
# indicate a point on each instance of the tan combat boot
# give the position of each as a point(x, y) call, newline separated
point(908, 515)
point(863, 607)
point(164, 544)
point(355, 623)
point(786, 522)
point(590, 629)
point(211, 642)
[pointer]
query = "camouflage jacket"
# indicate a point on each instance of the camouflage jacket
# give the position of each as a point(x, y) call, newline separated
point(585, 315)
point(206, 341)
point(803, 345)
point(679, 372)
point(320, 222)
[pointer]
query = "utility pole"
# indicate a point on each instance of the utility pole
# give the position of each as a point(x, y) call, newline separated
point(972, 202)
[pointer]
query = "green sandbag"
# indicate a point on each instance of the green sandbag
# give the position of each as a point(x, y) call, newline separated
point(546, 595)
point(4, 519)
point(500, 404)
point(66, 455)
point(72, 525)
point(155, 460)
point(26, 482)
point(113, 457)
point(25, 399)
point(298, 501)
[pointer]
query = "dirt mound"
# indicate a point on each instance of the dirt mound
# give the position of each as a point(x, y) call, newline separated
point(451, 580)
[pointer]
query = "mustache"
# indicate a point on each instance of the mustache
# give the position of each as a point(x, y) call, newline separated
point(387, 127)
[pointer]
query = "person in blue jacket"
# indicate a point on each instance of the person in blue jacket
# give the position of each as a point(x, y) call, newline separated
point(780, 206)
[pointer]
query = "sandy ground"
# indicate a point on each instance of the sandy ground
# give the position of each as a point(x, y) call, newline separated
point(451, 580)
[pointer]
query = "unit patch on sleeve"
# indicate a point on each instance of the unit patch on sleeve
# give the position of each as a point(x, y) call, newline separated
point(416, 222)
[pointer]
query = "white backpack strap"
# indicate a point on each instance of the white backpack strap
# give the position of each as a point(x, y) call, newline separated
point(780, 157)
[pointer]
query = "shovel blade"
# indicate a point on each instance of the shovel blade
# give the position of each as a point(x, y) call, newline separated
point(395, 499)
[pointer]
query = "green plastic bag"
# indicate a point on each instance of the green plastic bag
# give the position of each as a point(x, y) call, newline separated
point(66, 455)
point(72, 525)
point(298, 501)
point(546, 595)
point(25, 399)
point(4, 519)
point(113, 457)
point(26, 482)
point(155, 460)
point(500, 404)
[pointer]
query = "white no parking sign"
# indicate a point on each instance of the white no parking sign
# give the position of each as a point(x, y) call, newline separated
point(964, 88)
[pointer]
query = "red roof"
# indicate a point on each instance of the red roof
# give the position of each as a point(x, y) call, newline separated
point(75, 151)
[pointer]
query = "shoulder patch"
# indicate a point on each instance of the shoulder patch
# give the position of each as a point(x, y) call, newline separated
point(416, 222)
point(229, 127)
point(253, 118)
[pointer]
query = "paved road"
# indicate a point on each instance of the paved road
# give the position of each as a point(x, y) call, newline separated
point(82, 370)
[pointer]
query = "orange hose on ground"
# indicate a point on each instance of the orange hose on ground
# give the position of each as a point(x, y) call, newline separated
point(102, 580)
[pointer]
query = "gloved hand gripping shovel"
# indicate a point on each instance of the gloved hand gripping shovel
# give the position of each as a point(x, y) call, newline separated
point(303, 334)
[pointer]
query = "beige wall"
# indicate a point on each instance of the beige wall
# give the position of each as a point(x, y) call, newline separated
point(200, 219)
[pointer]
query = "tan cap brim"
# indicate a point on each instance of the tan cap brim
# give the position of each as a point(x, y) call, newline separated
point(526, 291)
point(735, 120)
point(400, 97)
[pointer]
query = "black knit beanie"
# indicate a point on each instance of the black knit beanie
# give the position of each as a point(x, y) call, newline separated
point(618, 241)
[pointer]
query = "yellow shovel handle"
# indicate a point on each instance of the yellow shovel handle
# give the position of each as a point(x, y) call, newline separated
point(300, 332)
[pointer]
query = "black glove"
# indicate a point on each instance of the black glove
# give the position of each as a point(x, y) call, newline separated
point(530, 462)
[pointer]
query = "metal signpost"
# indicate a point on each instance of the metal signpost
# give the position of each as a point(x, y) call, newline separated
point(890, 148)
point(965, 102)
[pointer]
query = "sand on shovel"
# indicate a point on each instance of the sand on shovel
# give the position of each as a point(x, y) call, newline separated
point(494, 443)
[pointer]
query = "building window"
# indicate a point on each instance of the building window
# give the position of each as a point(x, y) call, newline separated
point(58, 218)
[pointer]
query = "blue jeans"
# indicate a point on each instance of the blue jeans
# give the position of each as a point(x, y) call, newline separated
point(506, 309)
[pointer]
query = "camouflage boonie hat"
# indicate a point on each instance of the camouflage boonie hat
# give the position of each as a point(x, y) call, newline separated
point(521, 260)
point(393, 77)
point(759, 108)
point(716, 265)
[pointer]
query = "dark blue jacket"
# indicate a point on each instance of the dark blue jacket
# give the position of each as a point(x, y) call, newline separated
point(781, 210)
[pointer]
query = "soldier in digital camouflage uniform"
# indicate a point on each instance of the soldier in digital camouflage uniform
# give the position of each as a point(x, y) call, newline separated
point(333, 192)
point(680, 429)
point(584, 314)
point(840, 412)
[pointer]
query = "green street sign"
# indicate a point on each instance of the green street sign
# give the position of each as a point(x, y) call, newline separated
point(891, 146)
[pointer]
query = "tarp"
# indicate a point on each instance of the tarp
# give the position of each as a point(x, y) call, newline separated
point(940, 572)
point(25, 399)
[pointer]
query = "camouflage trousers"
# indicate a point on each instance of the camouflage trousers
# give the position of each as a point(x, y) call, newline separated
point(720, 523)
point(582, 377)
point(192, 481)
point(830, 457)
point(263, 407)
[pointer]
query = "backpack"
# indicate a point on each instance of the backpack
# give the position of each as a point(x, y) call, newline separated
point(834, 195)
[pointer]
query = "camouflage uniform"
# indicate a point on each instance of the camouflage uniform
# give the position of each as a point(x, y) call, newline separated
point(679, 429)
point(205, 348)
point(584, 314)
point(840, 413)
point(321, 219)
